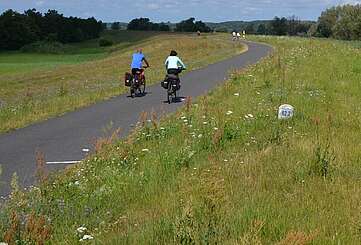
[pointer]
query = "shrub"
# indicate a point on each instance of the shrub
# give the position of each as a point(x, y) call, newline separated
point(105, 42)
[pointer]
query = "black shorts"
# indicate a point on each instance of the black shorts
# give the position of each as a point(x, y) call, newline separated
point(135, 70)
point(174, 71)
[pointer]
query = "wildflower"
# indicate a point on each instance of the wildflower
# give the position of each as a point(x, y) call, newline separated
point(204, 117)
point(215, 129)
point(200, 136)
point(183, 117)
point(145, 150)
point(236, 94)
point(229, 113)
point(162, 128)
point(205, 123)
point(185, 120)
point(86, 237)
point(246, 116)
point(190, 126)
point(250, 115)
point(81, 229)
point(77, 182)
point(225, 160)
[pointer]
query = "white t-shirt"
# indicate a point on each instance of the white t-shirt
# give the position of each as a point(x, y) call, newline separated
point(173, 62)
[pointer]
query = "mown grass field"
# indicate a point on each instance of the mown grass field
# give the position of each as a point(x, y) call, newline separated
point(34, 87)
point(224, 169)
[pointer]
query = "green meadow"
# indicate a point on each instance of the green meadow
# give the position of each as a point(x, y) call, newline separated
point(223, 169)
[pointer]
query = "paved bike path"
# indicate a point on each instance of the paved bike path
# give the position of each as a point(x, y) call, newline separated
point(63, 138)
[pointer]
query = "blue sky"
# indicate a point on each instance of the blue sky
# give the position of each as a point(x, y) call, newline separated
point(176, 10)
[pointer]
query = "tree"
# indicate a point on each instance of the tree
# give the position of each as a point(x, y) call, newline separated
point(190, 26)
point(262, 30)
point(327, 21)
point(141, 24)
point(15, 31)
point(279, 26)
point(115, 26)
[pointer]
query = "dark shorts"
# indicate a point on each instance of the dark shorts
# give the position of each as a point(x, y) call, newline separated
point(174, 71)
point(135, 70)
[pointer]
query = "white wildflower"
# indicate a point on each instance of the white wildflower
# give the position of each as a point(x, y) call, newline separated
point(236, 94)
point(229, 113)
point(145, 150)
point(225, 160)
point(215, 128)
point(205, 123)
point(200, 136)
point(86, 237)
point(162, 128)
point(77, 182)
point(81, 229)
point(250, 115)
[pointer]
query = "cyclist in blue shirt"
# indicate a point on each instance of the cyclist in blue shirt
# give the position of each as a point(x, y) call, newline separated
point(137, 62)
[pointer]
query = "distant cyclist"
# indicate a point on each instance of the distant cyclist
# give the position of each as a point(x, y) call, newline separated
point(137, 62)
point(173, 64)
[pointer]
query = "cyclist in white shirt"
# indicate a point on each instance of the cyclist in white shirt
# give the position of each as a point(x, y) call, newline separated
point(173, 64)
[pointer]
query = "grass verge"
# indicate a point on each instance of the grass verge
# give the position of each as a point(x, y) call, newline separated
point(223, 169)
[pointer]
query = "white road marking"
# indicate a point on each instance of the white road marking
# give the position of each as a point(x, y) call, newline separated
point(63, 162)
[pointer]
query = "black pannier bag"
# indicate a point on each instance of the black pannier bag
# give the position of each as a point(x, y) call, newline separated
point(128, 79)
point(171, 78)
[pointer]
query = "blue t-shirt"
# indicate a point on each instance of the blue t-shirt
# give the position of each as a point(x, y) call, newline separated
point(137, 60)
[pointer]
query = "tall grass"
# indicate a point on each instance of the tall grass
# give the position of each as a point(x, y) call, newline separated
point(224, 169)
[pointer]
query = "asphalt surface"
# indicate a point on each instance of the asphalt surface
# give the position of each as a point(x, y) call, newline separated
point(64, 138)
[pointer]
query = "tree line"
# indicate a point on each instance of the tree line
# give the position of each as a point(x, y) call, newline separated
point(18, 30)
point(144, 24)
point(339, 22)
point(279, 26)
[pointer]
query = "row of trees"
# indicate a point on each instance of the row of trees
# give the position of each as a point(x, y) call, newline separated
point(341, 22)
point(17, 30)
point(280, 26)
point(144, 24)
point(189, 25)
